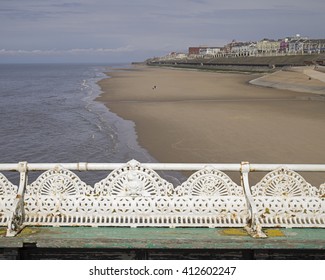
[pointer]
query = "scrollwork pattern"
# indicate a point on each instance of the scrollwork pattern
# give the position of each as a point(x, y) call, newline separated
point(134, 180)
point(284, 198)
point(6, 187)
point(8, 192)
point(58, 182)
point(209, 182)
point(283, 182)
point(56, 192)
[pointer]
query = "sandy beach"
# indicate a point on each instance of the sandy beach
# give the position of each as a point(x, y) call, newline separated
point(195, 116)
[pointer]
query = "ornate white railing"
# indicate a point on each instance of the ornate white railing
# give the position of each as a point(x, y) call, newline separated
point(134, 195)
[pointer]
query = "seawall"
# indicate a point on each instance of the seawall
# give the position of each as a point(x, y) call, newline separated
point(249, 64)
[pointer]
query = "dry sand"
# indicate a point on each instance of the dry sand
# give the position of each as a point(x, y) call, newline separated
point(196, 116)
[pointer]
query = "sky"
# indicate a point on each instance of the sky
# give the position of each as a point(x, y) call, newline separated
point(113, 31)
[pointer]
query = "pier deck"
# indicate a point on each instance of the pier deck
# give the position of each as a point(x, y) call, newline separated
point(160, 243)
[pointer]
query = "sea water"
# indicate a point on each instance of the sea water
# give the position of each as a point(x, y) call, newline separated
point(48, 113)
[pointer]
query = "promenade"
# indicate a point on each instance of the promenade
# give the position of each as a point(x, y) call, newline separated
point(298, 79)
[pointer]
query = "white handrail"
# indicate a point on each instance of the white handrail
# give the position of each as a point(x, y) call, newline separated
point(295, 167)
point(84, 166)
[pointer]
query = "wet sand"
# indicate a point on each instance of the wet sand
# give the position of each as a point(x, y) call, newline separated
point(195, 116)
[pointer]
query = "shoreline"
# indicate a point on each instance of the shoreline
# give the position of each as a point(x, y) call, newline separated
point(196, 116)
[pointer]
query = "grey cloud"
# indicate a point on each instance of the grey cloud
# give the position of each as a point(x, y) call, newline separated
point(70, 51)
point(67, 5)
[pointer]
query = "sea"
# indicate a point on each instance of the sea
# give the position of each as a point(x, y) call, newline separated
point(48, 114)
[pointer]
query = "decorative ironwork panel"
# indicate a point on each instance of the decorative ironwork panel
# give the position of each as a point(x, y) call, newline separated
point(283, 198)
point(322, 190)
point(58, 182)
point(285, 183)
point(8, 192)
point(55, 194)
point(209, 182)
point(212, 192)
point(133, 179)
point(135, 196)
point(146, 211)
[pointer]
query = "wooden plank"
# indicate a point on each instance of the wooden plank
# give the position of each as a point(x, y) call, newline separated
point(5, 242)
point(164, 238)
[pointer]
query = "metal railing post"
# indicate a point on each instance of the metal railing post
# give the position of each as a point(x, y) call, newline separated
point(253, 227)
point(16, 220)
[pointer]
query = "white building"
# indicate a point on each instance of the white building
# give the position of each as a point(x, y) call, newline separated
point(209, 51)
point(244, 49)
point(296, 44)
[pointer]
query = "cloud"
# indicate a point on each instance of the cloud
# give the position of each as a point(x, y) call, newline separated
point(38, 28)
point(89, 51)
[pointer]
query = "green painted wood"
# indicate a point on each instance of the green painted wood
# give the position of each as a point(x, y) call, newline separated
point(164, 238)
point(6, 243)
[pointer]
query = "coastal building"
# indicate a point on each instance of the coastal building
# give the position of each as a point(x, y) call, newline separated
point(295, 45)
point(180, 55)
point(172, 56)
point(284, 46)
point(193, 51)
point(204, 51)
point(244, 49)
point(228, 49)
point(210, 51)
point(314, 46)
point(268, 47)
